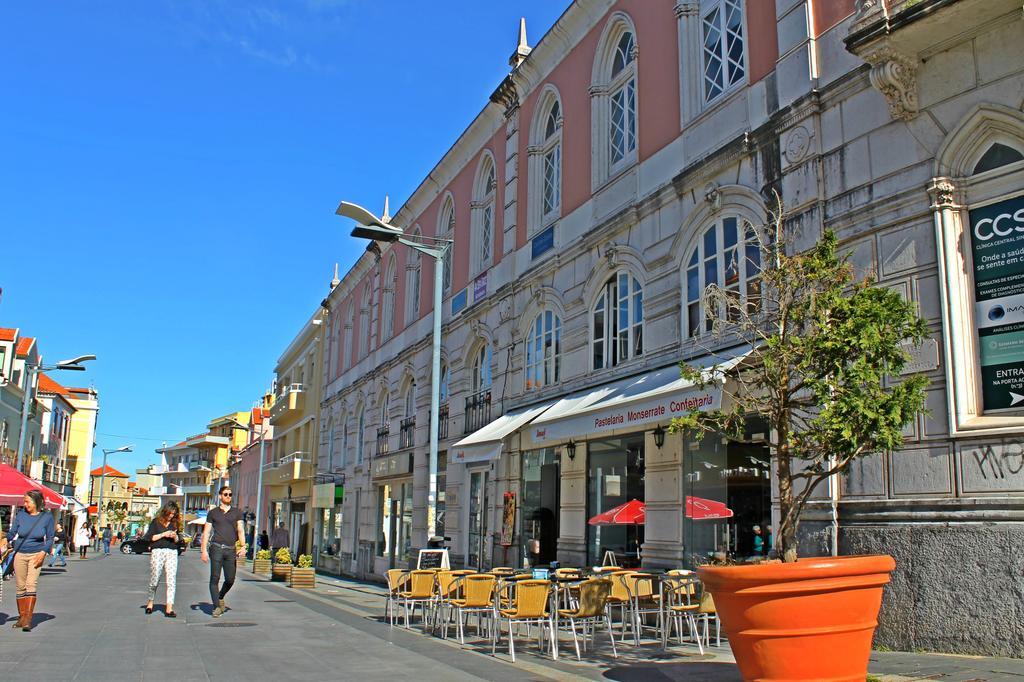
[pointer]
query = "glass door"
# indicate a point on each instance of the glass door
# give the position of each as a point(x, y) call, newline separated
point(477, 529)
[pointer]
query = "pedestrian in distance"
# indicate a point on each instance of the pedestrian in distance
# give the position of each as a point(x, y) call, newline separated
point(82, 539)
point(163, 535)
point(33, 529)
point(95, 537)
point(223, 542)
point(279, 538)
point(60, 541)
point(107, 537)
point(264, 540)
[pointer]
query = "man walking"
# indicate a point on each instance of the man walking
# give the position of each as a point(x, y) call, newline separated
point(223, 542)
point(279, 538)
point(60, 541)
point(107, 536)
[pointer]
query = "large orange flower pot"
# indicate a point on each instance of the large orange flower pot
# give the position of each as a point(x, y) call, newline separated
point(809, 620)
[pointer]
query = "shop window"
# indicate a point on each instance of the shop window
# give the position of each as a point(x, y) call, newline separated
point(442, 484)
point(615, 475)
point(617, 321)
point(544, 351)
point(728, 257)
point(539, 506)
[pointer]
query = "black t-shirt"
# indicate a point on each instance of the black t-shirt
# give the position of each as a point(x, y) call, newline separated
point(225, 525)
point(155, 528)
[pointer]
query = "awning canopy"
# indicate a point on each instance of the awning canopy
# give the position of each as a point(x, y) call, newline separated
point(485, 444)
point(641, 401)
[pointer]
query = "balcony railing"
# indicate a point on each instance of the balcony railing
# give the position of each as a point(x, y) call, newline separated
point(442, 422)
point(288, 404)
point(478, 411)
point(383, 433)
point(200, 464)
point(406, 432)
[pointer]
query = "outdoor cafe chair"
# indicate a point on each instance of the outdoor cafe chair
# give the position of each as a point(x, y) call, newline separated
point(680, 601)
point(707, 612)
point(477, 597)
point(396, 580)
point(593, 610)
point(645, 600)
point(419, 591)
point(620, 597)
point(530, 607)
point(445, 589)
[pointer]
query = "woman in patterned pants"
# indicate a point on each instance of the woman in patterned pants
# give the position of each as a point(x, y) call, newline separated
point(163, 535)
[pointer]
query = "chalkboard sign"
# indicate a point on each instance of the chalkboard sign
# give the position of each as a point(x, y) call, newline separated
point(432, 558)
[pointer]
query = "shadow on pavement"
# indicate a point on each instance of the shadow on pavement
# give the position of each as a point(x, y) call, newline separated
point(40, 618)
point(697, 670)
point(204, 607)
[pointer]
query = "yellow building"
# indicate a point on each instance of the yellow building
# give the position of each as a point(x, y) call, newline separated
point(117, 496)
point(82, 437)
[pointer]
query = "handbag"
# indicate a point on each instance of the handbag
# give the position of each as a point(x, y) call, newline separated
point(8, 556)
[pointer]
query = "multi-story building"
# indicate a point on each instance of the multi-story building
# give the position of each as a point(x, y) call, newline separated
point(51, 465)
point(294, 416)
point(82, 436)
point(142, 505)
point(16, 352)
point(244, 469)
point(117, 497)
point(625, 164)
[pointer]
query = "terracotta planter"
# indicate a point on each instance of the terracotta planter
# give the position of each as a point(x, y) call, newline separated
point(261, 566)
point(812, 620)
point(302, 577)
point(281, 572)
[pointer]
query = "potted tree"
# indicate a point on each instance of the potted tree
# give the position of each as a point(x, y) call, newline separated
point(282, 567)
point(303, 575)
point(261, 564)
point(826, 352)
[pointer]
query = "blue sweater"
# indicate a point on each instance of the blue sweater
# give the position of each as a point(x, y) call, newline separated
point(37, 532)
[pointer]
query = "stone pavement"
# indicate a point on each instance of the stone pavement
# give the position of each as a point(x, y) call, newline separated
point(91, 626)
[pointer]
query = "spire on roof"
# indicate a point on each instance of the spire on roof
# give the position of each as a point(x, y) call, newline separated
point(334, 280)
point(386, 216)
point(522, 48)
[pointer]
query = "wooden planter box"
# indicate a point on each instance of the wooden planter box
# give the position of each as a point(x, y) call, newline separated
point(303, 577)
point(281, 572)
point(261, 567)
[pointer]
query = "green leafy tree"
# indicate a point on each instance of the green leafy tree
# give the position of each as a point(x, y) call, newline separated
point(826, 348)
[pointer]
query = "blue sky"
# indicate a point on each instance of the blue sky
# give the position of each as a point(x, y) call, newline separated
point(169, 173)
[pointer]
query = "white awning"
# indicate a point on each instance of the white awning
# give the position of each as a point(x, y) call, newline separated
point(640, 402)
point(484, 444)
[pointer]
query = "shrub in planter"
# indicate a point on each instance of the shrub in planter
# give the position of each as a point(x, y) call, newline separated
point(261, 564)
point(826, 353)
point(282, 567)
point(303, 575)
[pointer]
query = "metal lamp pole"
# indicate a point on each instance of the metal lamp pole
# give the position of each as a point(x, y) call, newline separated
point(259, 479)
point(103, 478)
point(373, 228)
point(30, 373)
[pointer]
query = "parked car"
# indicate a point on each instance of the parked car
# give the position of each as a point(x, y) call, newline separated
point(141, 546)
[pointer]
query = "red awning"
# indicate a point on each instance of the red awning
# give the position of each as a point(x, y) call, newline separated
point(629, 514)
point(14, 485)
point(698, 508)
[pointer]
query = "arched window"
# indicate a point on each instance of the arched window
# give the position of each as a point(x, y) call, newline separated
point(996, 156)
point(361, 435)
point(727, 256)
point(346, 347)
point(551, 196)
point(412, 285)
point(344, 442)
point(483, 215)
point(409, 402)
point(330, 446)
point(723, 51)
point(364, 322)
point(622, 134)
point(543, 351)
point(446, 229)
point(444, 388)
point(388, 308)
point(385, 410)
point(617, 321)
point(482, 368)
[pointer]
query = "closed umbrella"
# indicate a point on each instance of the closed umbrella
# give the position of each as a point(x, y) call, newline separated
point(14, 485)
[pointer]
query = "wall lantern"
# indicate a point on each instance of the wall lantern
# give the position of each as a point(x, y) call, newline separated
point(659, 436)
point(570, 449)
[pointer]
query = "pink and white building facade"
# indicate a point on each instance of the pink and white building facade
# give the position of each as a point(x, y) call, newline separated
point(617, 171)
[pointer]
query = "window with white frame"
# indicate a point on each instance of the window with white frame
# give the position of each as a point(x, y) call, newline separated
point(447, 230)
point(727, 256)
point(385, 410)
point(344, 442)
point(412, 285)
point(388, 307)
point(544, 351)
point(551, 194)
point(617, 321)
point(622, 93)
point(364, 322)
point(724, 53)
point(330, 446)
point(361, 435)
point(483, 213)
point(482, 368)
point(409, 401)
point(346, 347)
point(444, 387)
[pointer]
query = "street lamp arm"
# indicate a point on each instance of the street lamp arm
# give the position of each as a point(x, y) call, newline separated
point(433, 251)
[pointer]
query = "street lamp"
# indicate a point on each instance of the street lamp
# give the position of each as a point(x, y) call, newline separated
point(74, 364)
point(103, 477)
point(369, 226)
point(235, 424)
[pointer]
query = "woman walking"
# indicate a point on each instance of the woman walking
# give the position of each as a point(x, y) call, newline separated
point(163, 535)
point(82, 539)
point(33, 528)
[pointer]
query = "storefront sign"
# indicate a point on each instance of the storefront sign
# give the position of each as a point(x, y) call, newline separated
point(477, 452)
point(636, 414)
point(392, 465)
point(997, 245)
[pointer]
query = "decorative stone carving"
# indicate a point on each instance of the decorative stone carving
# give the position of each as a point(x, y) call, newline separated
point(713, 196)
point(868, 10)
point(943, 193)
point(895, 76)
point(611, 252)
point(686, 9)
point(797, 144)
point(505, 309)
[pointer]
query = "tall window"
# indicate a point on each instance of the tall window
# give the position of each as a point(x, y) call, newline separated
point(390, 286)
point(346, 347)
point(617, 321)
point(385, 410)
point(724, 58)
point(543, 351)
point(344, 442)
point(330, 446)
point(364, 322)
point(728, 256)
point(444, 388)
point(447, 230)
point(622, 134)
point(552, 192)
point(409, 401)
point(361, 435)
point(482, 368)
point(483, 212)
point(412, 285)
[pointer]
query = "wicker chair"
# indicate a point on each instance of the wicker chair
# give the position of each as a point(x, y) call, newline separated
point(477, 597)
point(681, 603)
point(645, 600)
point(593, 609)
point(620, 596)
point(445, 589)
point(419, 591)
point(396, 579)
point(530, 607)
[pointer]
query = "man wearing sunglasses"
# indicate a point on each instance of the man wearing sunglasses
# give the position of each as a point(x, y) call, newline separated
point(225, 526)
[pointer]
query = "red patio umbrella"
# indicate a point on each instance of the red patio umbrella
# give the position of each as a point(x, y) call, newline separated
point(14, 485)
point(630, 513)
point(697, 508)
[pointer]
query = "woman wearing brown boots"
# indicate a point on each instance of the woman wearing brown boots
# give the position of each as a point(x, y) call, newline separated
point(33, 528)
